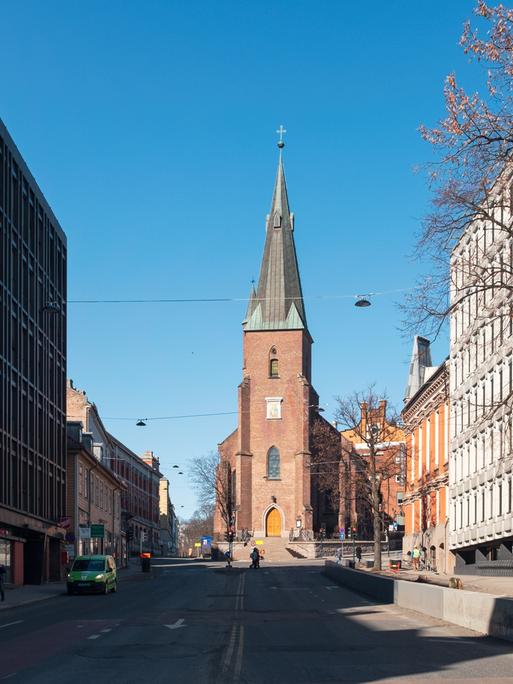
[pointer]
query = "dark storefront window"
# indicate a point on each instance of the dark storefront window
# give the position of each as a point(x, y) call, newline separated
point(5, 558)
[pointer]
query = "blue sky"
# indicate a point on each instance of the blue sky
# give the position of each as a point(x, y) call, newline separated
point(150, 127)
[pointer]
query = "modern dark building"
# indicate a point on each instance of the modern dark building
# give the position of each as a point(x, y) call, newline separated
point(32, 375)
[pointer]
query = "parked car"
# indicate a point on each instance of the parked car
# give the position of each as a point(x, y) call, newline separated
point(93, 573)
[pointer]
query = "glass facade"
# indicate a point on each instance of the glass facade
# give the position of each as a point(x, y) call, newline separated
point(32, 344)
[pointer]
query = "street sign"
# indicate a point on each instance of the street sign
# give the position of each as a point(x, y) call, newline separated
point(197, 544)
point(342, 535)
point(259, 542)
point(84, 532)
point(97, 531)
point(70, 550)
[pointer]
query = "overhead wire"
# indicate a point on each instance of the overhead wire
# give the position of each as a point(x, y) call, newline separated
point(195, 300)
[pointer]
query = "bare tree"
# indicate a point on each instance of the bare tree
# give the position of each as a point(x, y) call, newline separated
point(213, 480)
point(377, 458)
point(471, 182)
point(191, 531)
point(325, 460)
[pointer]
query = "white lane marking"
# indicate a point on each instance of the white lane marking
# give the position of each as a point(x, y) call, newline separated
point(8, 624)
point(332, 586)
point(230, 649)
point(177, 624)
point(12, 674)
point(104, 631)
point(94, 636)
point(240, 654)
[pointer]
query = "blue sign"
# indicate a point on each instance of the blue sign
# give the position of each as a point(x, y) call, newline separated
point(342, 535)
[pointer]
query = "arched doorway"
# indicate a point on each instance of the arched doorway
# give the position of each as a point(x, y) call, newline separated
point(273, 523)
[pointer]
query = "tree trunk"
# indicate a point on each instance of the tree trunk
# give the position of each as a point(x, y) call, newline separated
point(375, 511)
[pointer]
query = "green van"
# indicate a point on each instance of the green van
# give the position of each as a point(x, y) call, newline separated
point(93, 573)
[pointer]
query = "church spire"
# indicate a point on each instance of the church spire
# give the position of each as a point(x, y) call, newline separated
point(278, 303)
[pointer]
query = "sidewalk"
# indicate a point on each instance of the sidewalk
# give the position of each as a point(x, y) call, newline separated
point(33, 593)
point(497, 586)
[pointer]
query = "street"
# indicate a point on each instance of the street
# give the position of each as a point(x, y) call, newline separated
point(197, 621)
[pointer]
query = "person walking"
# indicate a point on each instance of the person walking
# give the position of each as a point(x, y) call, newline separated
point(416, 557)
point(2, 578)
point(255, 559)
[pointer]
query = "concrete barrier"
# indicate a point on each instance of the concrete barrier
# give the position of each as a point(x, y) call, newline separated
point(484, 613)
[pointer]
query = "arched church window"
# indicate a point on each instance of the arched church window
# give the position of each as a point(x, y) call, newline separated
point(273, 363)
point(273, 464)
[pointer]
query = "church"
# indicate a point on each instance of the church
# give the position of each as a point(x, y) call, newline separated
point(268, 457)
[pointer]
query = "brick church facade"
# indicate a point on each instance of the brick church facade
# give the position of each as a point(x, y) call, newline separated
point(267, 458)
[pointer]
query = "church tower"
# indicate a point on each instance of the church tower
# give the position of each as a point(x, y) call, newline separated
point(268, 454)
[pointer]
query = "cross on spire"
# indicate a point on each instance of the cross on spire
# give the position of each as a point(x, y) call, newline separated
point(281, 132)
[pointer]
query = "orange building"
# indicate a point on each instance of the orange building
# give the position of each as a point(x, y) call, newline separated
point(389, 443)
point(426, 419)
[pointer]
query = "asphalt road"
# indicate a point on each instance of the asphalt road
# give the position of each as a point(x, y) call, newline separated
point(197, 622)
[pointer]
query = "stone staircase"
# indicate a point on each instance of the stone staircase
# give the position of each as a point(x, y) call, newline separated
point(276, 550)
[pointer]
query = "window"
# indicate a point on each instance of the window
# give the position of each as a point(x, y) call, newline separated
point(273, 464)
point(273, 363)
point(273, 371)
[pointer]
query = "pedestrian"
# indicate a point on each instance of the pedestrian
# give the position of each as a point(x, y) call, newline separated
point(2, 578)
point(416, 557)
point(228, 559)
point(255, 556)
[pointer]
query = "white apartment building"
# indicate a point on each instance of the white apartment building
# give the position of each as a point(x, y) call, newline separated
point(481, 387)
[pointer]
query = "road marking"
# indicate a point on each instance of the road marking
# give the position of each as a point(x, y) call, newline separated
point(332, 586)
point(94, 636)
point(8, 624)
point(231, 646)
point(238, 661)
point(12, 674)
point(177, 624)
point(104, 631)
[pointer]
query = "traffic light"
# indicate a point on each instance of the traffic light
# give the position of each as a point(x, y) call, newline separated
point(130, 534)
point(353, 532)
point(228, 536)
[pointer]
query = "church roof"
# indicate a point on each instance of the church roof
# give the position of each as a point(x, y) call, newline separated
point(277, 303)
point(421, 367)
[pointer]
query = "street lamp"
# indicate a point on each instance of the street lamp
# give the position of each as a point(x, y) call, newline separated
point(141, 423)
point(362, 301)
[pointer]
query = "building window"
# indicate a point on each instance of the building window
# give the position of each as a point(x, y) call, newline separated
point(273, 368)
point(273, 464)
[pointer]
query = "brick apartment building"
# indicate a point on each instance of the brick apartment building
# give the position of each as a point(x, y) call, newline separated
point(139, 475)
point(426, 420)
point(93, 497)
point(268, 455)
point(391, 468)
point(32, 374)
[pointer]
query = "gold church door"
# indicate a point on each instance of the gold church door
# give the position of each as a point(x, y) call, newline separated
point(273, 523)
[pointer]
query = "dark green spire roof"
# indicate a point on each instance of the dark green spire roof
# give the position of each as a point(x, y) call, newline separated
point(278, 301)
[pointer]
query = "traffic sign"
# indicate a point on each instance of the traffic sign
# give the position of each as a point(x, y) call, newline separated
point(342, 534)
point(97, 531)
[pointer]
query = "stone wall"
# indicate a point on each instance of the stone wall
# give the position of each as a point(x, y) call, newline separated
point(484, 613)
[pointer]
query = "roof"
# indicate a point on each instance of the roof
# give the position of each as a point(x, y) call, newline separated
point(420, 366)
point(277, 303)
